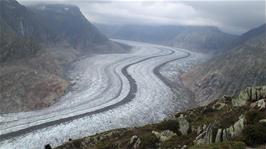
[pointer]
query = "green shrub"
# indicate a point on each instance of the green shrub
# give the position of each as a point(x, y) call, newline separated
point(105, 145)
point(172, 125)
point(223, 145)
point(255, 134)
point(148, 141)
point(253, 116)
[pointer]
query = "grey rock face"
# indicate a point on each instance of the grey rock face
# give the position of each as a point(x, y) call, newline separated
point(133, 139)
point(262, 121)
point(207, 136)
point(260, 104)
point(183, 125)
point(251, 94)
point(219, 136)
point(135, 142)
point(164, 135)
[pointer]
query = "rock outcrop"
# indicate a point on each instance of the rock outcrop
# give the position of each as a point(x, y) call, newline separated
point(251, 94)
point(183, 125)
point(164, 135)
point(218, 124)
point(134, 142)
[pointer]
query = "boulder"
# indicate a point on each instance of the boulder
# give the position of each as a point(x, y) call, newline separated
point(250, 94)
point(199, 130)
point(218, 137)
point(218, 106)
point(262, 121)
point(133, 139)
point(137, 144)
point(164, 135)
point(183, 125)
point(206, 136)
point(234, 130)
point(184, 147)
point(134, 142)
point(260, 104)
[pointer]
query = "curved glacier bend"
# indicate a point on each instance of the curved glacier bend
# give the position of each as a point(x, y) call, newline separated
point(139, 65)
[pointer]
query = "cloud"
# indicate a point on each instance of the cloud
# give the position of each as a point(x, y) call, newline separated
point(233, 16)
point(230, 16)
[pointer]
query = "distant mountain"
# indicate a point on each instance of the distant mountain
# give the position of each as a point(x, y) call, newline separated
point(154, 34)
point(202, 38)
point(197, 38)
point(255, 36)
point(241, 66)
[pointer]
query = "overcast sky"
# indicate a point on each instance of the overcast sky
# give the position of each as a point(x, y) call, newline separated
point(230, 16)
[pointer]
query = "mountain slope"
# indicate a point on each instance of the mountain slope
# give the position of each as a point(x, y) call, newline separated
point(242, 66)
point(20, 20)
point(16, 29)
point(197, 38)
point(33, 45)
point(202, 39)
point(65, 23)
point(30, 77)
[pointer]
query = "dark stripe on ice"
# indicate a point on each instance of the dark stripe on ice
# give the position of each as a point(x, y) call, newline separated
point(129, 97)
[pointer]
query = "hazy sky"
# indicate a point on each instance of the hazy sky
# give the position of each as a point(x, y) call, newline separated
point(231, 16)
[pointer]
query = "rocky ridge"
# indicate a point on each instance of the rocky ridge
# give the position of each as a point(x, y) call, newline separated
point(230, 72)
point(229, 122)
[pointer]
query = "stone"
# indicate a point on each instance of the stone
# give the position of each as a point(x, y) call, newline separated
point(238, 127)
point(164, 135)
point(262, 121)
point(227, 98)
point(133, 139)
point(250, 94)
point(209, 135)
point(218, 106)
point(200, 141)
point(204, 126)
point(184, 147)
point(206, 136)
point(260, 104)
point(218, 136)
point(135, 142)
point(199, 130)
point(183, 125)
point(225, 135)
point(234, 130)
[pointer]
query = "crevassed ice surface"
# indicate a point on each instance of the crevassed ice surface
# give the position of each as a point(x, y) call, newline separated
point(98, 83)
